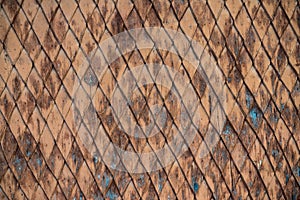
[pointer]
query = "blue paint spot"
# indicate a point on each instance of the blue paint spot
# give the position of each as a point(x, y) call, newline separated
point(274, 118)
point(160, 181)
point(287, 178)
point(52, 162)
point(255, 116)
point(160, 187)
point(28, 142)
point(95, 159)
point(80, 196)
point(141, 181)
point(294, 197)
point(28, 153)
point(250, 183)
point(196, 187)
point(74, 157)
point(111, 195)
point(257, 192)
point(248, 99)
point(227, 130)
point(97, 196)
point(298, 170)
point(275, 152)
point(224, 156)
point(282, 106)
point(39, 161)
point(229, 79)
point(105, 180)
point(18, 164)
point(195, 184)
point(234, 191)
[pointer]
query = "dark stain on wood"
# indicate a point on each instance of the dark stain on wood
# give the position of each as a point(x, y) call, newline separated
point(16, 87)
point(44, 101)
point(117, 24)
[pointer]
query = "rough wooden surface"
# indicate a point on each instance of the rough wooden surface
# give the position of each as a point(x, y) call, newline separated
point(256, 45)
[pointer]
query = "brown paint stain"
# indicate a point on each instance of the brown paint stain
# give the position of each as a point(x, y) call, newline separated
point(52, 84)
point(228, 26)
point(49, 42)
point(46, 68)
point(237, 77)
point(117, 24)
point(281, 21)
point(95, 22)
point(7, 105)
point(27, 142)
point(253, 10)
point(31, 44)
point(27, 105)
point(260, 63)
point(250, 39)
point(297, 55)
point(16, 87)
point(91, 22)
point(199, 83)
point(133, 21)
point(269, 45)
point(44, 101)
point(60, 29)
point(12, 6)
point(36, 86)
point(21, 29)
point(217, 39)
point(298, 18)
point(179, 7)
point(90, 47)
point(104, 9)
point(9, 144)
point(152, 18)
point(280, 59)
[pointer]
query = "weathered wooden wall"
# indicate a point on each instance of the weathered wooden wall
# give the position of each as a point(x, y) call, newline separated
point(256, 46)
